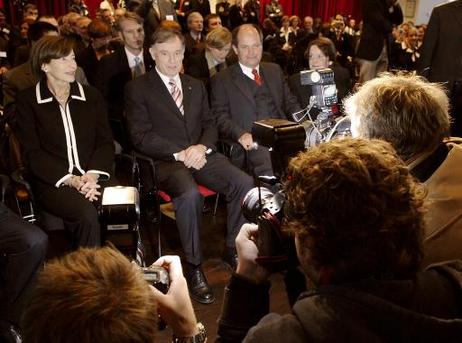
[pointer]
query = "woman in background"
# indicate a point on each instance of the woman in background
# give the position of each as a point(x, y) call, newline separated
point(321, 54)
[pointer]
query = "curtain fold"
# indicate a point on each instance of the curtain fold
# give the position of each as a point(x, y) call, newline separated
point(325, 9)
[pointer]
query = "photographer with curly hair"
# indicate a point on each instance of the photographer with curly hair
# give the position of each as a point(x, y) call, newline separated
point(357, 216)
point(412, 115)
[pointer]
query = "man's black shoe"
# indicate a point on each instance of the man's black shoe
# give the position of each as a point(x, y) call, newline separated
point(230, 258)
point(199, 288)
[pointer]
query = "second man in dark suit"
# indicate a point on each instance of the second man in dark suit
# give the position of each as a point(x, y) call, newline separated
point(246, 92)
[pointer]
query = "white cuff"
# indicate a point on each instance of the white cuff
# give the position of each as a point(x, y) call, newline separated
point(106, 176)
point(61, 180)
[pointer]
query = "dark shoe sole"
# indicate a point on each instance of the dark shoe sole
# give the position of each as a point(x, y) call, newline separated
point(200, 300)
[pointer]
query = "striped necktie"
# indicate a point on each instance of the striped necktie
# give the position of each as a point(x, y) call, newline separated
point(137, 71)
point(176, 95)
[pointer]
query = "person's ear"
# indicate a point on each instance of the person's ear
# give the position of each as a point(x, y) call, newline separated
point(151, 52)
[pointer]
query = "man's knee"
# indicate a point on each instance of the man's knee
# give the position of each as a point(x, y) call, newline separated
point(190, 194)
point(88, 215)
point(36, 241)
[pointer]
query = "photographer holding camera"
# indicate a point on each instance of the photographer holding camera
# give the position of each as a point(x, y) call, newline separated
point(357, 216)
point(97, 295)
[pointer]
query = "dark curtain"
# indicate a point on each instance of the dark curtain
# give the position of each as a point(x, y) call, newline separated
point(324, 9)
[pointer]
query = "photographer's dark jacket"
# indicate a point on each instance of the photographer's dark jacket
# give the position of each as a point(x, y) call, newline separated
point(427, 309)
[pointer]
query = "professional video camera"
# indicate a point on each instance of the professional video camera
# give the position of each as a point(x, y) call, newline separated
point(285, 139)
point(265, 208)
point(327, 124)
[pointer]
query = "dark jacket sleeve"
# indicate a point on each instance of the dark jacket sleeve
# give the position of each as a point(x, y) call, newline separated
point(377, 15)
point(197, 67)
point(43, 165)
point(143, 136)
point(299, 91)
point(290, 102)
point(221, 108)
point(430, 44)
point(102, 157)
point(244, 304)
point(209, 134)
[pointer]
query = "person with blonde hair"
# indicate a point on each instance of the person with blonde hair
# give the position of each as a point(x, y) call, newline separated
point(412, 114)
point(213, 59)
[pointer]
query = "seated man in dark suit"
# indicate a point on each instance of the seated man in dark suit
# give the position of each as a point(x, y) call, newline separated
point(169, 120)
point(246, 92)
point(213, 59)
point(116, 69)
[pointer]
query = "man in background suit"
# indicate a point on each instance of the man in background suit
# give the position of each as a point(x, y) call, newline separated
point(169, 120)
point(441, 59)
point(372, 54)
point(194, 38)
point(248, 91)
point(117, 69)
point(153, 12)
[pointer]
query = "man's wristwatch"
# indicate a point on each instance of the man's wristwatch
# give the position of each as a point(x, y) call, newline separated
point(201, 337)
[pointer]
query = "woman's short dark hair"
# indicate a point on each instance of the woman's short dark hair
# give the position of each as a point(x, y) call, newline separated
point(49, 48)
point(325, 45)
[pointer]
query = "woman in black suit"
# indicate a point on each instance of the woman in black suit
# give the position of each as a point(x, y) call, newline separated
point(320, 54)
point(66, 139)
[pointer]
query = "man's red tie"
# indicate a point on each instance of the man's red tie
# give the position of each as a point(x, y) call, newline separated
point(256, 77)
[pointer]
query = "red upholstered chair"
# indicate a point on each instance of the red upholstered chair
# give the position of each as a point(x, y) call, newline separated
point(202, 189)
point(164, 197)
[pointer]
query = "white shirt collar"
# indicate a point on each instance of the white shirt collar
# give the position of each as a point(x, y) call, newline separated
point(195, 35)
point(166, 79)
point(248, 71)
point(131, 58)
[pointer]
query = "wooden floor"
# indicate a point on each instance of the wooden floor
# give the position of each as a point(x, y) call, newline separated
point(218, 274)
